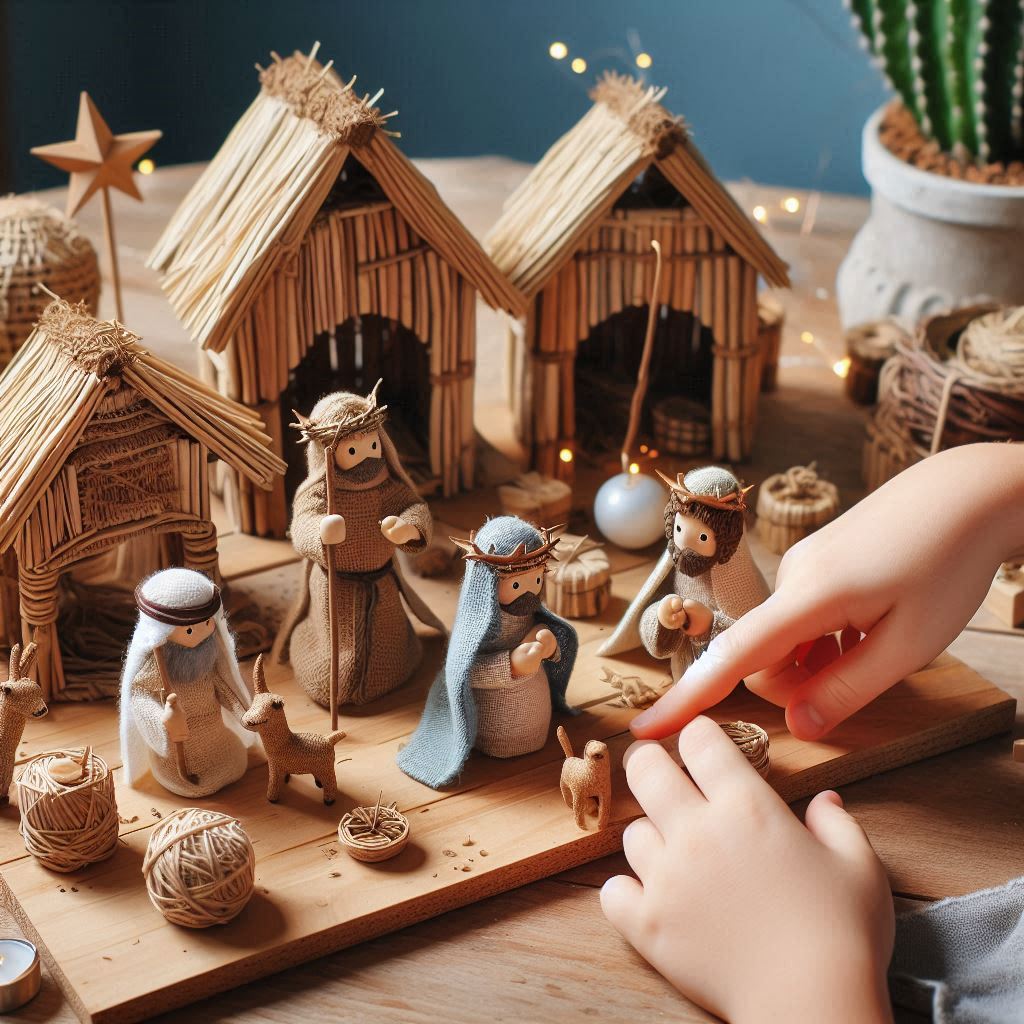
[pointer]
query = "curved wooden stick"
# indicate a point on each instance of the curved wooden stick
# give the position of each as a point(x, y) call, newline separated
point(178, 748)
point(643, 374)
point(332, 586)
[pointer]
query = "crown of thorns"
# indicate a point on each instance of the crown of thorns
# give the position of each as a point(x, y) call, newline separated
point(519, 560)
point(329, 432)
point(734, 501)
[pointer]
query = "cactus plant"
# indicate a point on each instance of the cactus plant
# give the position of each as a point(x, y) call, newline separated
point(958, 66)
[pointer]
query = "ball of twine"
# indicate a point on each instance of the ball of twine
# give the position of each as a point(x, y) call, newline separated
point(66, 827)
point(199, 868)
point(753, 742)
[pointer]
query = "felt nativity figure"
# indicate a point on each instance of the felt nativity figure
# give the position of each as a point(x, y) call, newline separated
point(705, 580)
point(369, 509)
point(182, 697)
point(509, 658)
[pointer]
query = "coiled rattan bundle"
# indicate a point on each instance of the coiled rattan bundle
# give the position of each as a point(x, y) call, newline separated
point(66, 826)
point(199, 868)
point(959, 380)
point(753, 743)
point(792, 505)
point(39, 245)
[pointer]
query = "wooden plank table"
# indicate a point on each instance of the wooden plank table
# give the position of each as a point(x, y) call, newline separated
point(943, 826)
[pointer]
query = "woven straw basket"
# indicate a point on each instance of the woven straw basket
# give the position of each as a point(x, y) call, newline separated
point(39, 245)
point(539, 499)
point(579, 585)
point(681, 427)
point(792, 505)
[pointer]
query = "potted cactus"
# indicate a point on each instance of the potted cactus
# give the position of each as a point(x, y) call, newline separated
point(944, 160)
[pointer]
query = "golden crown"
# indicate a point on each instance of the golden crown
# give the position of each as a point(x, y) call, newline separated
point(734, 501)
point(330, 432)
point(519, 560)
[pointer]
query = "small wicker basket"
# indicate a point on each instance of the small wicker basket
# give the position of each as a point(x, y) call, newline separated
point(868, 345)
point(681, 426)
point(374, 834)
point(579, 585)
point(792, 505)
point(39, 245)
point(770, 319)
point(539, 499)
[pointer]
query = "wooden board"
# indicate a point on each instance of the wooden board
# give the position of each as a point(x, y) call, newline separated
point(117, 960)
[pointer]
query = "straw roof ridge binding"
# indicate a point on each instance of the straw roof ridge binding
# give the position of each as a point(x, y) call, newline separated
point(640, 107)
point(100, 347)
point(315, 92)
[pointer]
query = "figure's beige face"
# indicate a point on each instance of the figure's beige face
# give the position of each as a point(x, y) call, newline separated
point(357, 448)
point(690, 532)
point(192, 636)
point(511, 587)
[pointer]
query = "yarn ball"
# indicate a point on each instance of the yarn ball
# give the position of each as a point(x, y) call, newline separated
point(753, 743)
point(66, 827)
point(199, 868)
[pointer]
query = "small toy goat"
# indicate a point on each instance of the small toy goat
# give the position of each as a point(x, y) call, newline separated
point(289, 753)
point(585, 779)
point(20, 698)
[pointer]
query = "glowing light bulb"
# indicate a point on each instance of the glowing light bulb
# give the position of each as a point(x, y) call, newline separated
point(146, 166)
point(559, 51)
point(579, 65)
point(791, 204)
point(634, 468)
point(643, 60)
point(807, 338)
point(654, 453)
point(565, 455)
point(643, 449)
point(760, 214)
point(841, 368)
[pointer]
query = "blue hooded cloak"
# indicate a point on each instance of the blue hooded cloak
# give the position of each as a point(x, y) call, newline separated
point(438, 749)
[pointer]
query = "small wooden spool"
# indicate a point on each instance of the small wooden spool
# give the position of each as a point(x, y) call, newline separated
point(681, 426)
point(68, 825)
point(770, 320)
point(374, 834)
point(539, 499)
point(868, 345)
point(792, 505)
point(580, 584)
point(753, 743)
point(199, 868)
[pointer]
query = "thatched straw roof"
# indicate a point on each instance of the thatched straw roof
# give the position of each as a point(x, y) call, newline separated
point(259, 195)
point(582, 175)
point(57, 382)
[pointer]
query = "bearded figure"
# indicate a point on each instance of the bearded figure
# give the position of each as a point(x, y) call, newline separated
point(705, 580)
point(182, 696)
point(509, 659)
point(373, 510)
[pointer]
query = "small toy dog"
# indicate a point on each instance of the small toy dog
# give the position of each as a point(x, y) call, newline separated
point(289, 753)
point(585, 779)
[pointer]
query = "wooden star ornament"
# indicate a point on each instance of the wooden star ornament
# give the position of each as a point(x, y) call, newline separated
point(95, 157)
point(98, 160)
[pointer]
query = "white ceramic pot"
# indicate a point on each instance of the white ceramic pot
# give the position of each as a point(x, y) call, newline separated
point(930, 243)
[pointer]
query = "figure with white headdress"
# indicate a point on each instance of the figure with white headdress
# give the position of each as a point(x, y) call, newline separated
point(182, 696)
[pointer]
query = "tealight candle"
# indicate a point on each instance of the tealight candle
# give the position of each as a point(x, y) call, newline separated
point(20, 976)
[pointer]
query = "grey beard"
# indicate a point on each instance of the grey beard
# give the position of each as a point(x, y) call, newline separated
point(187, 663)
point(523, 605)
point(363, 472)
point(689, 563)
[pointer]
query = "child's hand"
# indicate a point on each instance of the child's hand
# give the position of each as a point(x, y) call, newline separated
point(905, 568)
point(740, 906)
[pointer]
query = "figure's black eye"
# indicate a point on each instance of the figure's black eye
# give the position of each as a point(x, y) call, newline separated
point(515, 586)
point(538, 581)
point(351, 451)
point(188, 632)
point(374, 446)
point(703, 536)
point(278, 704)
point(8, 689)
point(678, 528)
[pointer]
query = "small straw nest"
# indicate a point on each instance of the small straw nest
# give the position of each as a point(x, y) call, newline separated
point(66, 827)
point(753, 743)
point(373, 834)
point(199, 868)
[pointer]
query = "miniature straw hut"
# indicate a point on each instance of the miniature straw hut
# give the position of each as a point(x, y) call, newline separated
point(575, 238)
point(102, 442)
point(313, 256)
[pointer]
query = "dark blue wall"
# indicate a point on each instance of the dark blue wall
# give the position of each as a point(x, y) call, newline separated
point(774, 90)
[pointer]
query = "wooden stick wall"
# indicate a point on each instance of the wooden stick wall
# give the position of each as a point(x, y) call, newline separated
point(612, 269)
point(363, 260)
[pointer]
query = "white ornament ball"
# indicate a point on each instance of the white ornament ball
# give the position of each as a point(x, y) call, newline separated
point(630, 510)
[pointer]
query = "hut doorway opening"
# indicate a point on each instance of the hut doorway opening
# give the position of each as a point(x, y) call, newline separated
point(360, 352)
point(606, 367)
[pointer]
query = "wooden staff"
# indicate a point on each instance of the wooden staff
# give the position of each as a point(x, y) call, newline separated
point(332, 584)
point(169, 697)
point(643, 374)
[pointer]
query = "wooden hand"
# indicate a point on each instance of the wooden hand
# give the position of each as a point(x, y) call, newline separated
point(526, 658)
point(174, 720)
point(672, 613)
point(398, 531)
point(332, 529)
point(700, 618)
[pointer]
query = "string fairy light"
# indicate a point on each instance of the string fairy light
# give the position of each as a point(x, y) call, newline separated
point(807, 337)
point(579, 65)
point(841, 367)
point(791, 204)
point(558, 50)
point(760, 214)
point(565, 455)
point(145, 166)
point(644, 60)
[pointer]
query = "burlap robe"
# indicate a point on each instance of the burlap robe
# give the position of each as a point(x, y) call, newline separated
point(378, 648)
